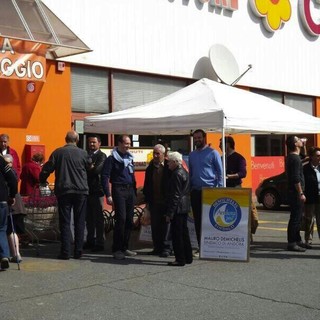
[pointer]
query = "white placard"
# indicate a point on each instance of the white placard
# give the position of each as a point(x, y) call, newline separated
point(225, 224)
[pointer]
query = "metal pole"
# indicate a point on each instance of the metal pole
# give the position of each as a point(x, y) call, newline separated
point(223, 151)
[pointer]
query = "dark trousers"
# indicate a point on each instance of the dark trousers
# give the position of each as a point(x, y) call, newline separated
point(196, 204)
point(180, 239)
point(4, 247)
point(67, 202)
point(159, 228)
point(296, 209)
point(95, 221)
point(123, 201)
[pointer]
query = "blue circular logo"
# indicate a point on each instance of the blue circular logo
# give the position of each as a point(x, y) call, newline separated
point(225, 214)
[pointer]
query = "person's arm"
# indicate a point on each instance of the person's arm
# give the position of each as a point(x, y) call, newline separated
point(47, 169)
point(242, 170)
point(11, 180)
point(296, 180)
point(105, 178)
point(217, 167)
point(97, 166)
point(174, 195)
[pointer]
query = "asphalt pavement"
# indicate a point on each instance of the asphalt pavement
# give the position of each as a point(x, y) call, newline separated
point(274, 284)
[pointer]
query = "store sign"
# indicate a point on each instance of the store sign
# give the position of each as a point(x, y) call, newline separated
point(275, 13)
point(308, 21)
point(22, 60)
point(141, 156)
point(231, 5)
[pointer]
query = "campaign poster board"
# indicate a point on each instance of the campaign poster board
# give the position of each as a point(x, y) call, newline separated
point(225, 224)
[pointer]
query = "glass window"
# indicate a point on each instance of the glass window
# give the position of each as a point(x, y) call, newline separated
point(302, 103)
point(89, 90)
point(133, 90)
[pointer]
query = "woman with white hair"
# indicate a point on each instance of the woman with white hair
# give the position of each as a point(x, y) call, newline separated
point(178, 207)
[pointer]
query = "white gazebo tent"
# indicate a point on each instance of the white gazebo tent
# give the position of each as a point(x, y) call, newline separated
point(208, 105)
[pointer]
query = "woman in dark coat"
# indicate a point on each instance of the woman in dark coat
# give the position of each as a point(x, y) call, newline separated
point(178, 207)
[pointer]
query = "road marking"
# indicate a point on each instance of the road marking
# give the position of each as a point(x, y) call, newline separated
point(45, 265)
point(272, 222)
point(274, 229)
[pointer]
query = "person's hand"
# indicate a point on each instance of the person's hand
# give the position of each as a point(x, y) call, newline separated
point(109, 200)
point(11, 201)
point(303, 198)
point(168, 220)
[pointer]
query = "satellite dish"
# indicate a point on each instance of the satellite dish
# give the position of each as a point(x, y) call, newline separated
point(224, 64)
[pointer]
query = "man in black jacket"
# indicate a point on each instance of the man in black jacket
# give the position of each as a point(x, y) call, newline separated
point(296, 197)
point(311, 173)
point(154, 190)
point(7, 180)
point(94, 219)
point(70, 164)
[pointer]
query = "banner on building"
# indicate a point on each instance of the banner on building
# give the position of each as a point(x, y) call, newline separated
point(22, 60)
point(225, 223)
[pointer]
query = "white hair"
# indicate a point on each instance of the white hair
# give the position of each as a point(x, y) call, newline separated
point(175, 156)
point(160, 147)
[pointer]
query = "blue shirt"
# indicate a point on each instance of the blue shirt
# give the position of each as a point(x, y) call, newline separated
point(205, 168)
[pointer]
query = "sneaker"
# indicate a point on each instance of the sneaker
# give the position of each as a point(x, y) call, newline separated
point(295, 248)
point(164, 254)
point(4, 263)
point(119, 255)
point(129, 253)
point(196, 254)
point(305, 245)
point(63, 256)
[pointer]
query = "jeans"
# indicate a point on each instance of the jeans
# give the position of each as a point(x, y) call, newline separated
point(4, 247)
point(123, 201)
point(296, 208)
point(95, 221)
point(67, 202)
point(196, 204)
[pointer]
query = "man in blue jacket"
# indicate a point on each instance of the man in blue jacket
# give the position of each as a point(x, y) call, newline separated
point(118, 170)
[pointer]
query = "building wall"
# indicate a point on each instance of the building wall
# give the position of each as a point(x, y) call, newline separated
point(43, 116)
point(173, 37)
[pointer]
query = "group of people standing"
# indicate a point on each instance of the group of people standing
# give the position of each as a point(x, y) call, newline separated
point(303, 193)
point(29, 175)
point(84, 178)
